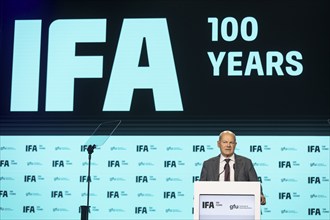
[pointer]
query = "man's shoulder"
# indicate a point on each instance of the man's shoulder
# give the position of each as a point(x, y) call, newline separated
point(212, 159)
point(242, 158)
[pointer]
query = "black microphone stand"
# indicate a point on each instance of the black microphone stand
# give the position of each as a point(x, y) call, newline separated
point(103, 128)
point(85, 209)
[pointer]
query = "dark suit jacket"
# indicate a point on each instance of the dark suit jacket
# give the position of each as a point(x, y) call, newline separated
point(244, 170)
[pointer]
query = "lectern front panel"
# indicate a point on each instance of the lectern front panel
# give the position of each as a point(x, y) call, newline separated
point(226, 206)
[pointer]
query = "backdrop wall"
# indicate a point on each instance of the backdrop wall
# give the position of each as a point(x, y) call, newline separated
point(175, 73)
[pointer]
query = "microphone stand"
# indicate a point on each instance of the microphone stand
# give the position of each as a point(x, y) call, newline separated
point(92, 142)
point(85, 209)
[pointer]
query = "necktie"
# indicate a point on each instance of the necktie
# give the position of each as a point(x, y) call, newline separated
point(227, 170)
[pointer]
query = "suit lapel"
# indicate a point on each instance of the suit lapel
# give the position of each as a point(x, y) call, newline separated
point(216, 165)
point(238, 165)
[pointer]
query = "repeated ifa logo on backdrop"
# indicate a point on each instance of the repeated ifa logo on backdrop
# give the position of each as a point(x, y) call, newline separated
point(160, 76)
point(143, 183)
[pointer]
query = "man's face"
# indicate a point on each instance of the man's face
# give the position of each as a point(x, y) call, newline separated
point(227, 144)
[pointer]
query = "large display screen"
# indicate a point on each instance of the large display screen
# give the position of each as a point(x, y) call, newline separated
point(175, 73)
point(165, 67)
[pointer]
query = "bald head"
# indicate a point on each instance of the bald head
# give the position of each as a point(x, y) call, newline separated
point(227, 132)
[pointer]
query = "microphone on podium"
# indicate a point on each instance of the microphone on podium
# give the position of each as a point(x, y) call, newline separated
point(224, 171)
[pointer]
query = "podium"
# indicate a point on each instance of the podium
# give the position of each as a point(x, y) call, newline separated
point(226, 200)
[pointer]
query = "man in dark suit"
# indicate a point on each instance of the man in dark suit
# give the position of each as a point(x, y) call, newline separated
point(239, 168)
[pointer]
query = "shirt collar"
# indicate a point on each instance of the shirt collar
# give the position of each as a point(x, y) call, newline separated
point(232, 158)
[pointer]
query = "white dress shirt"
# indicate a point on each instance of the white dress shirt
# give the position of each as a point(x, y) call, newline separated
point(222, 167)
